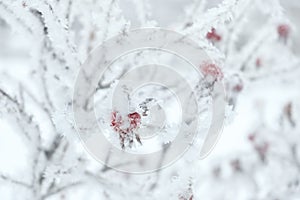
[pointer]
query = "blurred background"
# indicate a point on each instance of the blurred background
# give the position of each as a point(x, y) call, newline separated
point(255, 44)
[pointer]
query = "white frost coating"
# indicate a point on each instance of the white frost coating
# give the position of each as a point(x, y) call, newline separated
point(43, 43)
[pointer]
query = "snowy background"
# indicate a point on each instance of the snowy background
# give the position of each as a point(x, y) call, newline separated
point(256, 45)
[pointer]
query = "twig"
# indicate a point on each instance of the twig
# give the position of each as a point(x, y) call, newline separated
point(17, 182)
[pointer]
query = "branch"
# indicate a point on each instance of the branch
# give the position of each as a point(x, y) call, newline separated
point(16, 182)
point(61, 189)
point(13, 100)
point(18, 19)
point(295, 156)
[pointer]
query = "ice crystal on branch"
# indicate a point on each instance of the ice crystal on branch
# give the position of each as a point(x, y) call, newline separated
point(43, 43)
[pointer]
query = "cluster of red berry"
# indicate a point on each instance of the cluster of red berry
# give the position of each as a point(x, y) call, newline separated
point(213, 36)
point(211, 70)
point(126, 127)
point(260, 147)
